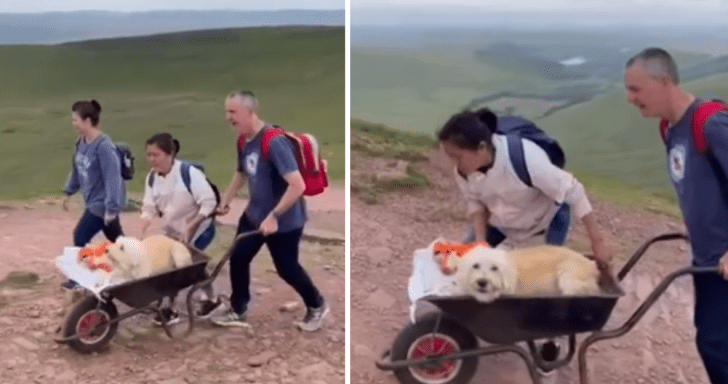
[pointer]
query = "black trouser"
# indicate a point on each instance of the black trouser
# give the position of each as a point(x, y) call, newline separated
point(711, 322)
point(90, 225)
point(283, 248)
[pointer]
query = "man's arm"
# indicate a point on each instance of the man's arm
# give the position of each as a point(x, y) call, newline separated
point(716, 134)
point(236, 183)
point(295, 189)
point(293, 192)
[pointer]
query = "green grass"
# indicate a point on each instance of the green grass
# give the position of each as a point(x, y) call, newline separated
point(377, 140)
point(416, 91)
point(174, 83)
point(626, 195)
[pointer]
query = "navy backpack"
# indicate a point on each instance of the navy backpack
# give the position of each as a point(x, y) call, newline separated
point(517, 128)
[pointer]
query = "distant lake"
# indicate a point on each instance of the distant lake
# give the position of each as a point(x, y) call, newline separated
point(573, 61)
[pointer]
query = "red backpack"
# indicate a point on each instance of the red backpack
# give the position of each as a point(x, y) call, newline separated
point(702, 113)
point(310, 164)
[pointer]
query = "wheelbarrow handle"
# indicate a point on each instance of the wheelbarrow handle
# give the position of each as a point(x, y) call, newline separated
point(643, 248)
point(636, 316)
point(209, 280)
point(229, 252)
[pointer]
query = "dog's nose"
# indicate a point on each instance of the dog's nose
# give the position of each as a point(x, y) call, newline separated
point(482, 283)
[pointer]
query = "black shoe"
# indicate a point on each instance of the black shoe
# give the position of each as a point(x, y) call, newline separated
point(550, 351)
point(70, 285)
point(168, 316)
point(207, 307)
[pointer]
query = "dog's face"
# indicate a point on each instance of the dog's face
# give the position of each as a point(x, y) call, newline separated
point(486, 273)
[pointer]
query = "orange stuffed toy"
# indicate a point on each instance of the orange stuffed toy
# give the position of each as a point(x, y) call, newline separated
point(445, 251)
point(95, 257)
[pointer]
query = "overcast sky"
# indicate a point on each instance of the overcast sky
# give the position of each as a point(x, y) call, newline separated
point(540, 5)
point(553, 12)
point(25, 6)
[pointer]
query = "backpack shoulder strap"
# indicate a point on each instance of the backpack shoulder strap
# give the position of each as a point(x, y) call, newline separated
point(185, 171)
point(664, 124)
point(702, 113)
point(268, 135)
point(518, 158)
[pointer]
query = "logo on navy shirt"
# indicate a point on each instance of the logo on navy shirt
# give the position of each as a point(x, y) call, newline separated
point(251, 163)
point(677, 162)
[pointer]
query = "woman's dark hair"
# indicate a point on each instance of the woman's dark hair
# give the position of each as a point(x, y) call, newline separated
point(88, 110)
point(165, 142)
point(469, 129)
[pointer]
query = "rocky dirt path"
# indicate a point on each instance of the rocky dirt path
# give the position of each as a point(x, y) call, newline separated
point(383, 237)
point(32, 234)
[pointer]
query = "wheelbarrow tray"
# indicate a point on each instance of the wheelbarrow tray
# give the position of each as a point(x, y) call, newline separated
point(510, 319)
point(141, 292)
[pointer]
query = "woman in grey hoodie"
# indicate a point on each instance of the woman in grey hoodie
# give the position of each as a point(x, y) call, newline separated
point(96, 173)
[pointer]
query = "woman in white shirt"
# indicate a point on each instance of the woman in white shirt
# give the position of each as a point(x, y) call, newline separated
point(181, 196)
point(504, 210)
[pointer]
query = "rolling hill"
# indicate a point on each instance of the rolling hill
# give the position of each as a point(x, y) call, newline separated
point(170, 82)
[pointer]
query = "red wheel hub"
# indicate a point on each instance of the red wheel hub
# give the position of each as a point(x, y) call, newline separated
point(89, 321)
point(432, 346)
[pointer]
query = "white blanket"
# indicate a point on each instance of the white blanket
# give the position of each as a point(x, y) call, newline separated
point(427, 279)
point(94, 281)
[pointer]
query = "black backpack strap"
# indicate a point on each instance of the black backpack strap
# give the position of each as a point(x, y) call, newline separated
point(518, 158)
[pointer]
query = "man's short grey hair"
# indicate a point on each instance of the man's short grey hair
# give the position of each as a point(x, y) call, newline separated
point(658, 64)
point(247, 98)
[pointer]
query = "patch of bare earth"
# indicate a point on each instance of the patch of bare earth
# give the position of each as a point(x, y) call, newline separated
point(32, 234)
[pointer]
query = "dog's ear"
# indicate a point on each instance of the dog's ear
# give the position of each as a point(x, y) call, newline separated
point(508, 271)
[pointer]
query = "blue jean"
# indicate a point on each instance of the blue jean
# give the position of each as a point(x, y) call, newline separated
point(711, 322)
point(555, 234)
point(283, 248)
point(90, 225)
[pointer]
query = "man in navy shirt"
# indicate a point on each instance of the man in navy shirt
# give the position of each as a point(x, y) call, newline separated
point(276, 207)
point(699, 179)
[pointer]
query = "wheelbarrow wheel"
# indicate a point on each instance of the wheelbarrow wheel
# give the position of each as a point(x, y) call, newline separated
point(421, 339)
point(82, 320)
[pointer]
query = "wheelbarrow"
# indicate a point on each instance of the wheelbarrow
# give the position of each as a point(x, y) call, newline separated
point(442, 347)
point(91, 323)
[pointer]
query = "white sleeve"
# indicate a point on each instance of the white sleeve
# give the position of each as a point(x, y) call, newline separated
point(149, 208)
point(202, 192)
point(472, 205)
point(555, 182)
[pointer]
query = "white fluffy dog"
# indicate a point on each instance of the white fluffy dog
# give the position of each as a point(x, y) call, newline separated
point(134, 259)
point(486, 273)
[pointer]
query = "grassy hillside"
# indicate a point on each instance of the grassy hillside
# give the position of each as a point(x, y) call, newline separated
point(380, 141)
point(418, 90)
point(175, 83)
point(608, 138)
